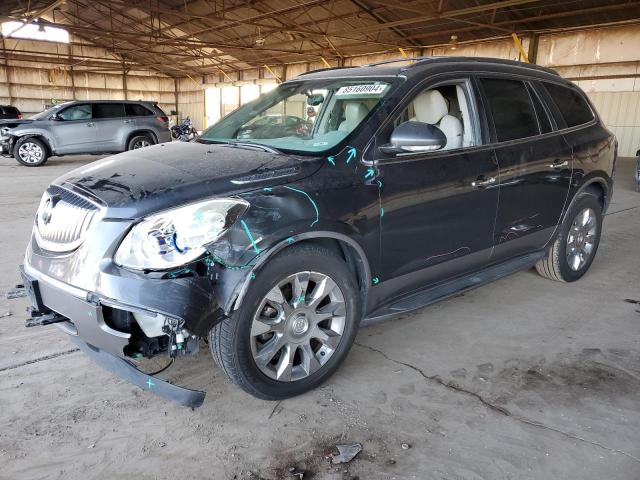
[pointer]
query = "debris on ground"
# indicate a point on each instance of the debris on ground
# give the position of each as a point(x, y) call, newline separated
point(6, 314)
point(405, 446)
point(296, 473)
point(346, 453)
point(17, 292)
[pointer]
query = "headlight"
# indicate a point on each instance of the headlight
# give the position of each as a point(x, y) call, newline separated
point(178, 236)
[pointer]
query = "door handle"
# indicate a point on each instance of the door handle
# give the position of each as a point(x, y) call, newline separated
point(127, 121)
point(91, 124)
point(559, 164)
point(483, 182)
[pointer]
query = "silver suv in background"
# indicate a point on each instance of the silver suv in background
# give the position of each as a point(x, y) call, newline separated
point(85, 127)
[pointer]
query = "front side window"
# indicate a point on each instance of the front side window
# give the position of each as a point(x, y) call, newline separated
point(108, 110)
point(510, 106)
point(76, 112)
point(305, 117)
point(573, 107)
point(446, 107)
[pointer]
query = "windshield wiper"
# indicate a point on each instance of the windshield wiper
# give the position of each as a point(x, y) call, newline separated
point(262, 147)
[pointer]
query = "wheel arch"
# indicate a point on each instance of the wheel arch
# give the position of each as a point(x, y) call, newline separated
point(342, 244)
point(140, 132)
point(38, 136)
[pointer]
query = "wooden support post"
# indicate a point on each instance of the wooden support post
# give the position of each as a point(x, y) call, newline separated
point(6, 71)
point(534, 40)
point(124, 82)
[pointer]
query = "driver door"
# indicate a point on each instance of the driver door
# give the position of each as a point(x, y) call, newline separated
point(438, 207)
point(74, 130)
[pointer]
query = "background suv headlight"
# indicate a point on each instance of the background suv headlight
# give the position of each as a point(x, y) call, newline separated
point(178, 236)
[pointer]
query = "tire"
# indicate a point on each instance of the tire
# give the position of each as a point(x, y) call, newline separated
point(141, 141)
point(30, 151)
point(560, 263)
point(237, 342)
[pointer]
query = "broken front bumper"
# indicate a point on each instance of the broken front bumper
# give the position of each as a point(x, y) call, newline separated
point(68, 308)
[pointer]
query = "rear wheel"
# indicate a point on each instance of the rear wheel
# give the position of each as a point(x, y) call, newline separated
point(573, 251)
point(141, 141)
point(294, 328)
point(30, 152)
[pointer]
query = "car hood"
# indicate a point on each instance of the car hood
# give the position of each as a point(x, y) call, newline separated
point(13, 122)
point(136, 183)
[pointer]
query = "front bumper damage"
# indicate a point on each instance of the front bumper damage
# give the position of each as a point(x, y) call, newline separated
point(81, 315)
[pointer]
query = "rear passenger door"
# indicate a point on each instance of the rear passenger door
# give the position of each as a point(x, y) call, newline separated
point(111, 126)
point(535, 165)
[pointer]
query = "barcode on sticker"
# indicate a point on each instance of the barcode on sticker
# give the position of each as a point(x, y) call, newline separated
point(361, 90)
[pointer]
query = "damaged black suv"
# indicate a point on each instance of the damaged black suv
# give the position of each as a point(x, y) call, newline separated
point(343, 196)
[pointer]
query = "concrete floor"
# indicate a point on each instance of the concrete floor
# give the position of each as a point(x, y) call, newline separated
point(521, 379)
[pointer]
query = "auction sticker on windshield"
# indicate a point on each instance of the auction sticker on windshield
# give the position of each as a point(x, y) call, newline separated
point(372, 89)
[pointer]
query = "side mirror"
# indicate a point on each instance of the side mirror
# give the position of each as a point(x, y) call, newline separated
point(414, 137)
point(315, 99)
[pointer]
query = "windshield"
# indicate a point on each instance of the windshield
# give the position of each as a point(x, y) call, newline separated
point(305, 117)
point(47, 113)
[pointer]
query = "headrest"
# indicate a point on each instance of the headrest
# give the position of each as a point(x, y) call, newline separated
point(354, 112)
point(430, 107)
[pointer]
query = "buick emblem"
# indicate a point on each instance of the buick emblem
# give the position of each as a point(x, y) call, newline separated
point(47, 209)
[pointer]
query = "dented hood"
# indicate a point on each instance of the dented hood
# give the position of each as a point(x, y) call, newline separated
point(136, 183)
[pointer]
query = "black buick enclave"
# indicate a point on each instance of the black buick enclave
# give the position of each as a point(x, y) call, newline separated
point(413, 181)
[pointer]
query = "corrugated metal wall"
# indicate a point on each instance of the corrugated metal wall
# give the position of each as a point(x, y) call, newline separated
point(620, 111)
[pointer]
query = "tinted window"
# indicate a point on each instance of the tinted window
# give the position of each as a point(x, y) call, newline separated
point(11, 111)
point(543, 118)
point(137, 110)
point(511, 108)
point(77, 112)
point(572, 105)
point(108, 110)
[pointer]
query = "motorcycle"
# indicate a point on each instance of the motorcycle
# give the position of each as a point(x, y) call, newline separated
point(184, 131)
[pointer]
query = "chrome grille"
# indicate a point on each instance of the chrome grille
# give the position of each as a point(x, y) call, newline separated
point(63, 219)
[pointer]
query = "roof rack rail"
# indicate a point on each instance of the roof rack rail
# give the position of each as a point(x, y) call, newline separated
point(397, 60)
point(321, 70)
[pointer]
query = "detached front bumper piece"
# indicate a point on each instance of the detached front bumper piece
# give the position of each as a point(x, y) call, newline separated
point(124, 369)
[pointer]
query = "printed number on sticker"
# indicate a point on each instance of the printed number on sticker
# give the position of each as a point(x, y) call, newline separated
point(361, 90)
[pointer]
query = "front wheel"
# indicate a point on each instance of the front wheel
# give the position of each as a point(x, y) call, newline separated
point(30, 152)
point(570, 256)
point(294, 328)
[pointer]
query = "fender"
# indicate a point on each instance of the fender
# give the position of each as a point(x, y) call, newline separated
point(18, 133)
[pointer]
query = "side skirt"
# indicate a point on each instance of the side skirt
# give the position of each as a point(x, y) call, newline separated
point(450, 288)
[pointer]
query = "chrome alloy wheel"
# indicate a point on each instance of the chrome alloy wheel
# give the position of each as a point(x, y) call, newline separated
point(298, 326)
point(581, 239)
point(143, 142)
point(30, 152)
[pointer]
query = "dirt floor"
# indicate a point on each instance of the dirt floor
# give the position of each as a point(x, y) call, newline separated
point(521, 379)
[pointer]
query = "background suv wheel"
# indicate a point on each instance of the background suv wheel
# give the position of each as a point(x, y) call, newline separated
point(30, 151)
point(141, 141)
point(574, 249)
point(295, 326)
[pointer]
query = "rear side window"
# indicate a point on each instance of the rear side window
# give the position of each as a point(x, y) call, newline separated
point(108, 110)
point(137, 110)
point(511, 108)
point(573, 107)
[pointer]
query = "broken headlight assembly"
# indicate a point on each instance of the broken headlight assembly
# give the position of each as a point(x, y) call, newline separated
point(178, 236)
